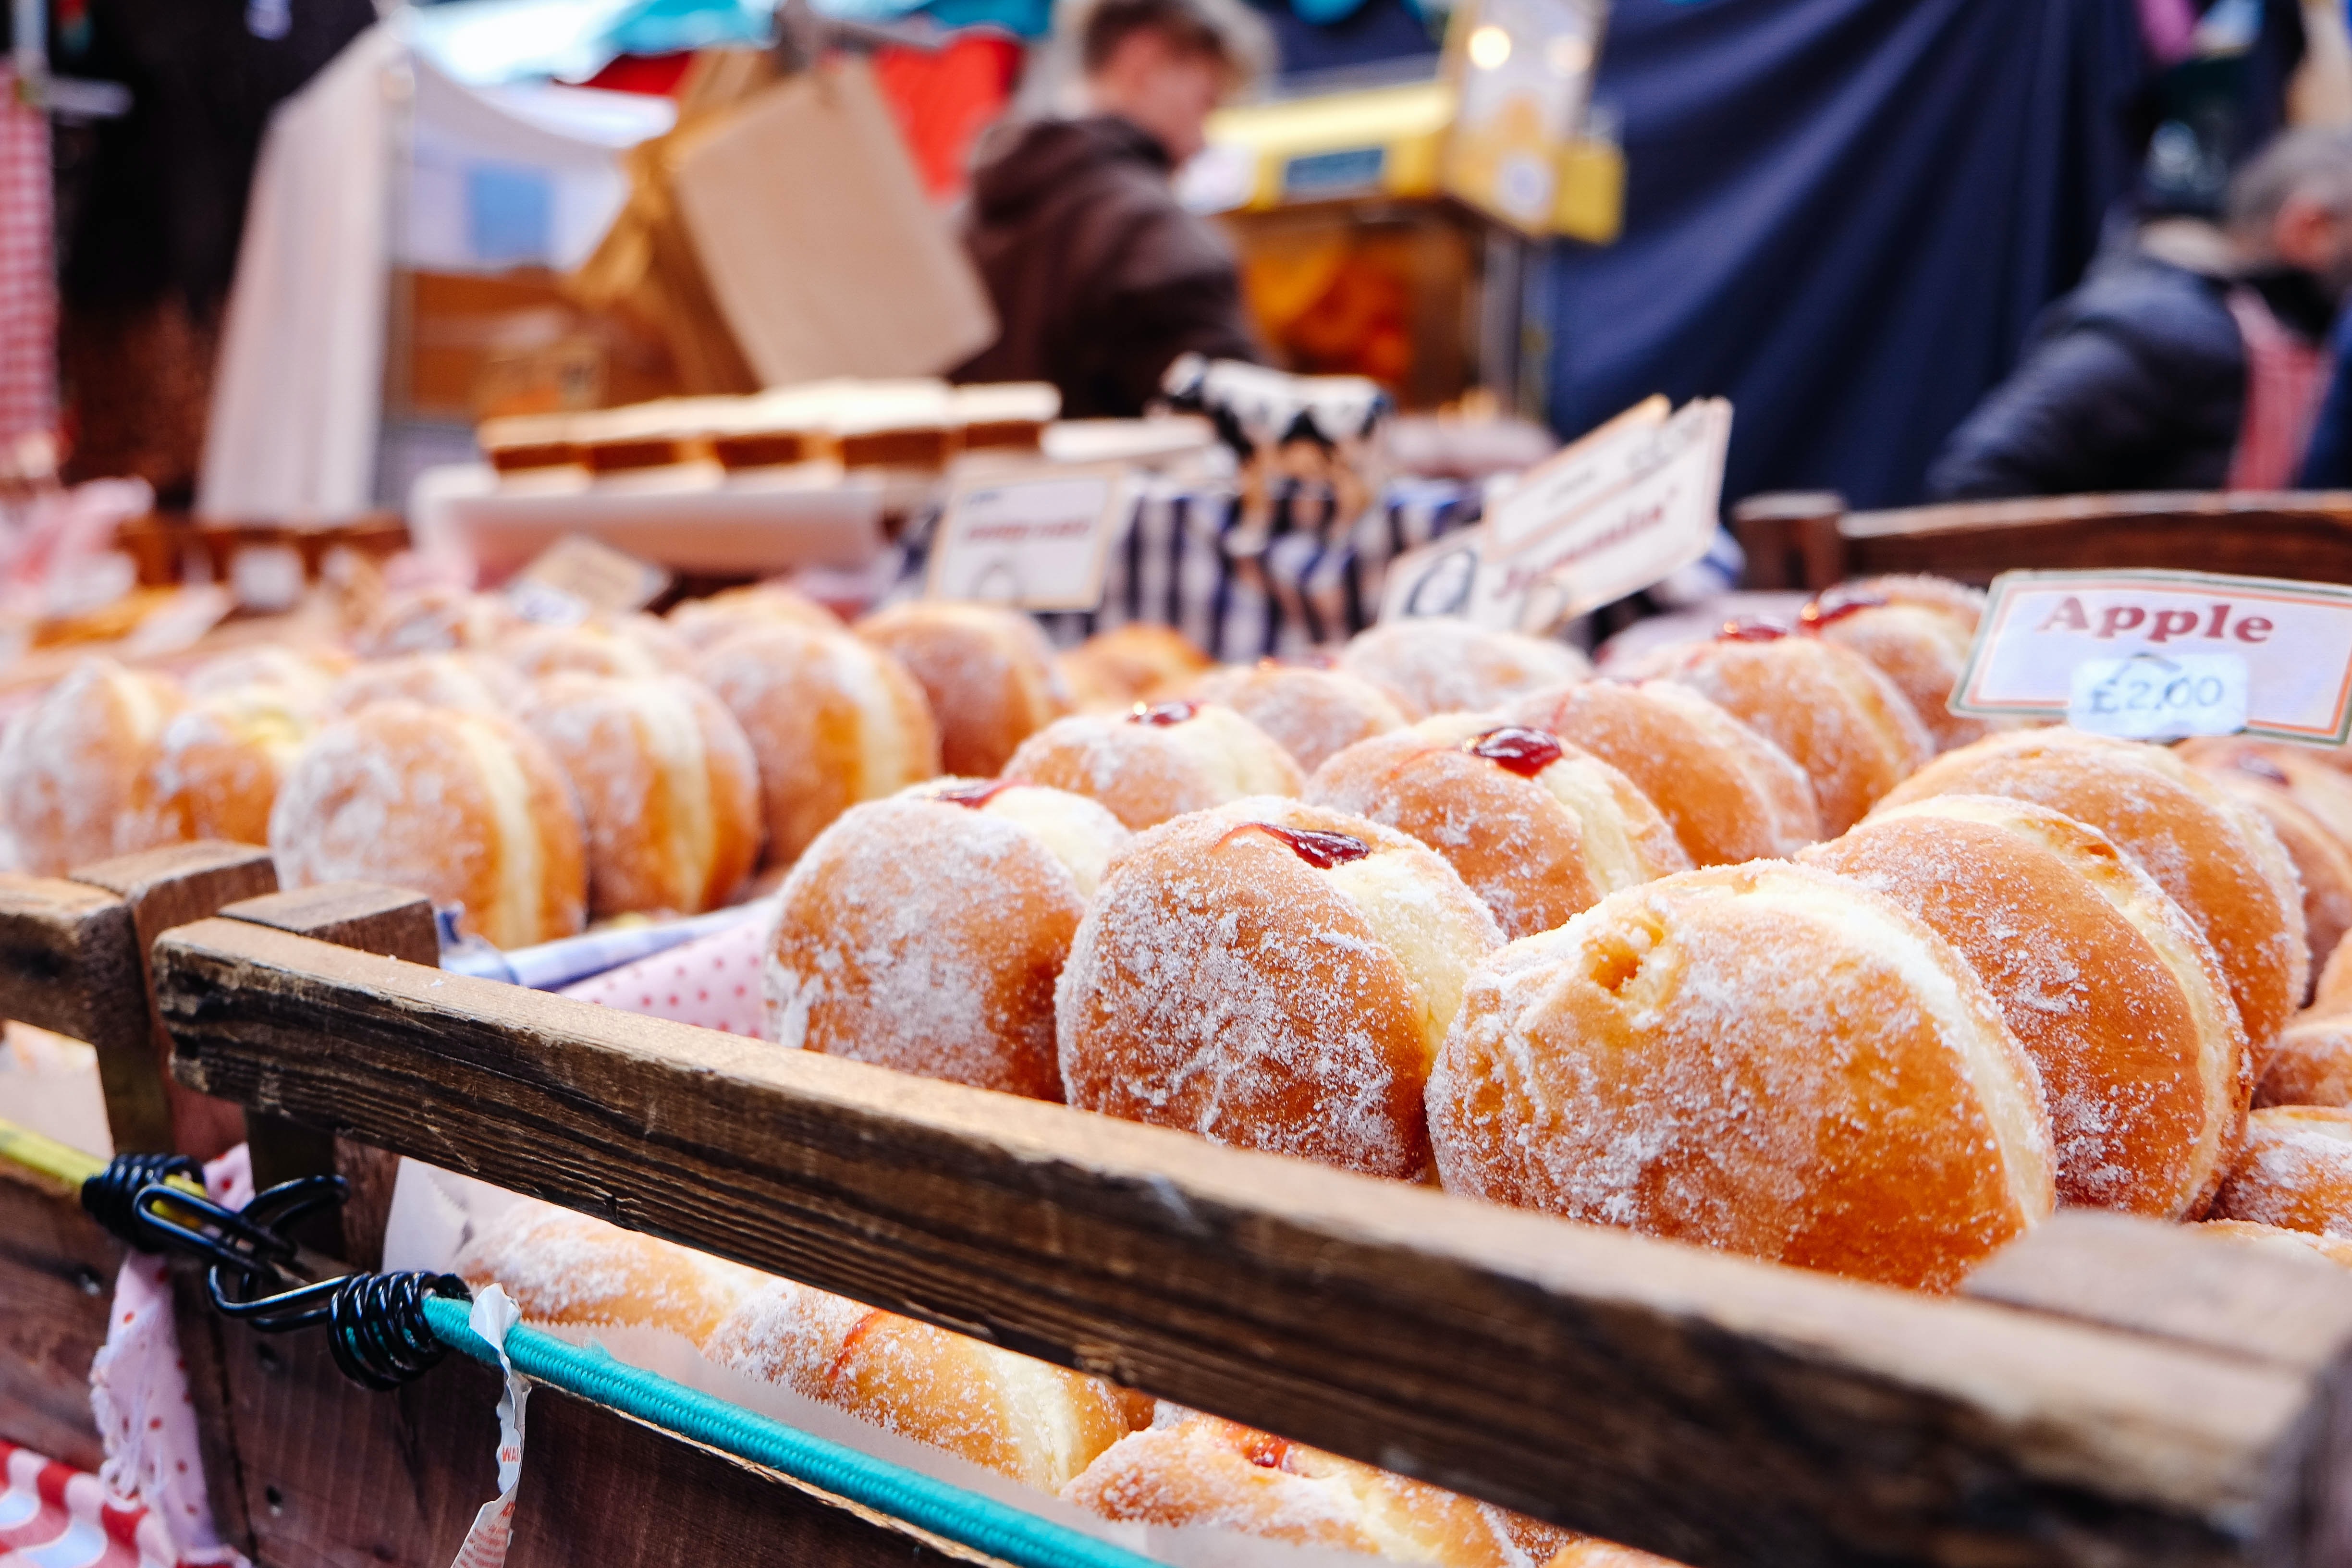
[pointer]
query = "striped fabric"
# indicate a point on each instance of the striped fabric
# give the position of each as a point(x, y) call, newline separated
point(54, 1516)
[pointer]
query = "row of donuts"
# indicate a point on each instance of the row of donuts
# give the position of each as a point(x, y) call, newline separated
point(1109, 1450)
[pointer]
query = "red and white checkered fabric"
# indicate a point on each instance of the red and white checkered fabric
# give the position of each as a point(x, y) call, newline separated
point(28, 291)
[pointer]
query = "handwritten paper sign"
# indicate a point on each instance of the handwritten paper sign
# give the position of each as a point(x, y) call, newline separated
point(2293, 639)
point(1037, 537)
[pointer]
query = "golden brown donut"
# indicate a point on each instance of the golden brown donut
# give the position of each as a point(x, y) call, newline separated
point(1451, 667)
point(567, 1269)
point(2295, 1171)
point(1731, 795)
point(2218, 860)
point(831, 720)
point(470, 682)
point(1200, 1470)
point(1312, 712)
point(989, 673)
point(308, 672)
point(1112, 670)
point(435, 620)
point(70, 763)
point(466, 808)
point(925, 932)
point(631, 645)
point(2105, 981)
point(1917, 631)
point(2275, 1238)
point(217, 768)
point(2310, 1063)
point(2322, 862)
point(2332, 993)
point(1848, 726)
point(703, 624)
point(1764, 1058)
point(786, 1333)
point(1157, 762)
point(667, 786)
point(1271, 976)
point(1590, 1552)
point(1538, 829)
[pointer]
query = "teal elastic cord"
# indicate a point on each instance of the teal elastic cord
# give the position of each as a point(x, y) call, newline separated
point(966, 1518)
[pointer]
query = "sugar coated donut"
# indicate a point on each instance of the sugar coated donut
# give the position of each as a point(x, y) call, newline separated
point(435, 620)
point(1312, 712)
point(1112, 670)
point(307, 673)
point(1848, 726)
point(703, 624)
point(468, 809)
point(1538, 829)
point(2310, 1063)
point(2276, 1238)
point(2295, 1171)
point(217, 766)
point(1764, 1058)
point(786, 1333)
point(667, 789)
point(2107, 984)
point(2322, 862)
point(70, 764)
point(2218, 860)
point(632, 645)
point(989, 673)
point(1272, 976)
point(1917, 631)
point(1199, 1470)
point(1157, 762)
point(1448, 667)
point(925, 932)
point(470, 682)
point(1731, 795)
point(566, 1267)
point(831, 720)
point(2332, 993)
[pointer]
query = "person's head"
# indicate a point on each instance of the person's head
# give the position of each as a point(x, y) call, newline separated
point(2292, 206)
point(1164, 64)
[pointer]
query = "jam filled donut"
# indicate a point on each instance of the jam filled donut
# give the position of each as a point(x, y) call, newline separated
point(1731, 795)
point(666, 783)
point(1271, 975)
point(1113, 670)
point(466, 808)
point(1199, 1469)
point(1763, 1058)
point(1538, 829)
point(436, 620)
point(468, 682)
point(703, 624)
point(567, 1269)
point(925, 932)
point(2309, 1064)
point(2323, 862)
point(1449, 666)
point(216, 768)
point(831, 720)
point(989, 673)
point(1917, 631)
point(2295, 1172)
point(70, 764)
point(1848, 726)
point(1158, 762)
point(1312, 712)
point(2106, 982)
point(2220, 861)
point(635, 647)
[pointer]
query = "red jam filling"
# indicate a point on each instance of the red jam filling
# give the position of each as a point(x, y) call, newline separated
point(1163, 712)
point(2261, 768)
point(1318, 849)
point(1753, 628)
point(975, 795)
point(1515, 749)
point(1836, 604)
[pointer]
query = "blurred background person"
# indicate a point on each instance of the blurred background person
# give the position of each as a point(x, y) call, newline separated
point(1099, 277)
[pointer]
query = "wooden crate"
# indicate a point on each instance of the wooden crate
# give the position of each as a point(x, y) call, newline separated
point(2105, 1392)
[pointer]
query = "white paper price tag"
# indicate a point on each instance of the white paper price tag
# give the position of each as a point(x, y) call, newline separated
point(2039, 627)
point(1572, 478)
point(1037, 537)
point(2149, 697)
point(266, 578)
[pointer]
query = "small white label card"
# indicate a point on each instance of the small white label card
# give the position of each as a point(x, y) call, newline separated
point(2041, 630)
point(1037, 537)
point(1572, 478)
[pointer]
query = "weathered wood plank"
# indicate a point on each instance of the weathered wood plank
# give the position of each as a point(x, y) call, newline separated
point(69, 962)
point(1718, 1410)
point(57, 1274)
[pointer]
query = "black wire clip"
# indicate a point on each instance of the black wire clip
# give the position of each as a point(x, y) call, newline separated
point(375, 1323)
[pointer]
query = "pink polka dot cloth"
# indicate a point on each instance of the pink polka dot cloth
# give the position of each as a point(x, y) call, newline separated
point(713, 980)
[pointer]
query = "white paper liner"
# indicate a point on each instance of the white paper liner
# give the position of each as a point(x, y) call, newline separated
point(434, 1212)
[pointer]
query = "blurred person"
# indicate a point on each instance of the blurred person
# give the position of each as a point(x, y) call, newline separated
point(1100, 279)
point(2191, 360)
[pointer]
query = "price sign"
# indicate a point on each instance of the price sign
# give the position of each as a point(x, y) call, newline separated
point(1593, 464)
point(577, 576)
point(2089, 647)
point(1037, 537)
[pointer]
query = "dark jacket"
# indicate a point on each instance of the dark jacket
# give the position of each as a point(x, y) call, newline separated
point(1099, 277)
point(2135, 381)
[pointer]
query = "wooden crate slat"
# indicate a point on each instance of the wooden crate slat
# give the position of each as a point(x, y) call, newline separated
point(1712, 1408)
point(69, 963)
point(57, 1273)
